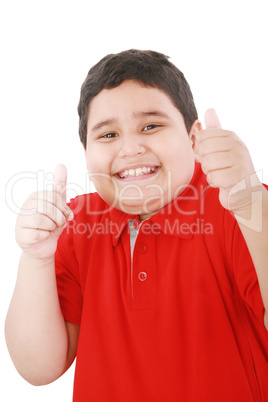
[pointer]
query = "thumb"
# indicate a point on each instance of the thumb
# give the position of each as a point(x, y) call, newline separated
point(211, 119)
point(60, 180)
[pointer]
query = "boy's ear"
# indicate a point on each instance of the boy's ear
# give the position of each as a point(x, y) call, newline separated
point(196, 127)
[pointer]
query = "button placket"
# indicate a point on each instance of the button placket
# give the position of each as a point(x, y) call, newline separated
point(142, 273)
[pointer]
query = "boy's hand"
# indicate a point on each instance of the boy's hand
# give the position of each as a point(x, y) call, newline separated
point(227, 163)
point(42, 219)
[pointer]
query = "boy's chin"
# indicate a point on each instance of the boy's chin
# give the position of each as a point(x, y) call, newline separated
point(143, 210)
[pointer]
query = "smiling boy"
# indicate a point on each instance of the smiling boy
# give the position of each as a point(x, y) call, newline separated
point(134, 175)
point(153, 309)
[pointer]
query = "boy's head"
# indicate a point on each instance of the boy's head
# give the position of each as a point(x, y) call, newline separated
point(149, 68)
point(137, 119)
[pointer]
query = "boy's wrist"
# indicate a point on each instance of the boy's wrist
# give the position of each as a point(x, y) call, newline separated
point(251, 215)
point(240, 198)
point(35, 261)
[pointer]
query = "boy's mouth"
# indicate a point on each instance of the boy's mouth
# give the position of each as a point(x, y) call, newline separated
point(136, 172)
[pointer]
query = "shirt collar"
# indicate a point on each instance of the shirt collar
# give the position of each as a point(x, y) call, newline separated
point(177, 218)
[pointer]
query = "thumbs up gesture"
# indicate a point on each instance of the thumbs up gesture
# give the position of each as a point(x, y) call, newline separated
point(227, 163)
point(42, 219)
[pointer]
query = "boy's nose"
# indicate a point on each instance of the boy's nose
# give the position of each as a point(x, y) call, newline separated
point(131, 146)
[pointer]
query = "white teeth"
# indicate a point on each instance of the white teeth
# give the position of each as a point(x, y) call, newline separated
point(137, 172)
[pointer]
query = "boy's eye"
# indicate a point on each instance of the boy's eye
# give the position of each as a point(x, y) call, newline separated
point(150, 127)
point(109, 135)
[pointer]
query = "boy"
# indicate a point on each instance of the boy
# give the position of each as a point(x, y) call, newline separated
point(161, 285)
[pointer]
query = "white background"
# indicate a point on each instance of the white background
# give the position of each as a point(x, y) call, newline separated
point(47, 48)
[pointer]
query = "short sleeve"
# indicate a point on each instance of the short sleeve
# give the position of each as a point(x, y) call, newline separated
point(68, 281)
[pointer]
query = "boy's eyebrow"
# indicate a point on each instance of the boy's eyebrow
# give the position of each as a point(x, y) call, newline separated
point(102, 124)
point(136, 115)
point(150, 113)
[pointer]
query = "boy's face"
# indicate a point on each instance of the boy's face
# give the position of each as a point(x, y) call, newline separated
point(139, 154)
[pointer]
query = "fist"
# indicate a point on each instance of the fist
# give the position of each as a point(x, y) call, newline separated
point(42, 219)
point(227, 163)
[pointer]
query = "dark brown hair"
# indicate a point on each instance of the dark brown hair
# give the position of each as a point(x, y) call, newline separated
point(145, 66)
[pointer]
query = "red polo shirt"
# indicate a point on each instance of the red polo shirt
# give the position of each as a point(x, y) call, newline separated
point(182, 321)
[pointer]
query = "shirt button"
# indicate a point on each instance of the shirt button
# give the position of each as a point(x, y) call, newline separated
point(136, 225)
point(142, 248)
point(142, 276)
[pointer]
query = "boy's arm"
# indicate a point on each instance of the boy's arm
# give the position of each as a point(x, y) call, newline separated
point(228, 165)
point(256, 238)
point(42, 346)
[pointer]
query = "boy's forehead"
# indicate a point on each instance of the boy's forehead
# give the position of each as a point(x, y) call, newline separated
point(127, 89)
point(131, 96)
